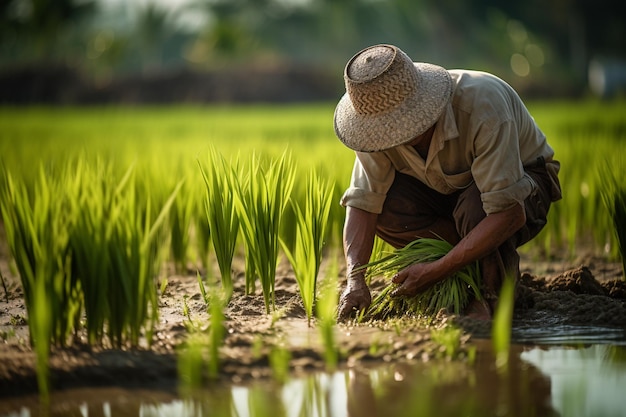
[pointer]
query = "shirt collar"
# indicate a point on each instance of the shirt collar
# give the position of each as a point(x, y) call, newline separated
point(445, 130)
point(447, 124)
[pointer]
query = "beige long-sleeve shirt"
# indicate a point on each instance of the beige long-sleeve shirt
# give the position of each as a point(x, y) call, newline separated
point(485, 135)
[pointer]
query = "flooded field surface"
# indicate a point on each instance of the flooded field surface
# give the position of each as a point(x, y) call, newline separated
point(539, 381)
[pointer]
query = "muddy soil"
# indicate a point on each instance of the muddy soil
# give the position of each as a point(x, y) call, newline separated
point(585, 292)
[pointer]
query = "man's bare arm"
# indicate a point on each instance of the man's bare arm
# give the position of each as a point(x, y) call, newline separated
point(358, 240)
point(485, 238)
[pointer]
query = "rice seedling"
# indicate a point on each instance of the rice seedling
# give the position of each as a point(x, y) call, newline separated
point(260, 203)
point(326, 312)
point(217, 332)
point(379, 250)
point(190, 359)
point(186, 310)
point(311, 222)
point(202, 347)
point(220, 179)
point(502, 322)
point(201, 234)
point(37, 236)
point(613, 191)
point(452, 293)
point(163, 286)
point(83, 243)
point(250, 271)
point(89, 240)
point(118, 251)
point(279, 357)
point(181, 215)
point(449, 337)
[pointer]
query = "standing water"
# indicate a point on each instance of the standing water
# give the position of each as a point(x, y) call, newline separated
point(540, 380)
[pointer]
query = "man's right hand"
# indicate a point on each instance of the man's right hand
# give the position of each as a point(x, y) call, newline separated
point(354, 299)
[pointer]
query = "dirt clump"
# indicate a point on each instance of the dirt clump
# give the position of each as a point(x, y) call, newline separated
point(579, 281)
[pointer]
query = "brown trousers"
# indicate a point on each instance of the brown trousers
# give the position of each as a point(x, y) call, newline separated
point(413, 210)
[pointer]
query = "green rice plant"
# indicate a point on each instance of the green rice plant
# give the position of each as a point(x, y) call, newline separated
point(202, 347)
point(311, 223)
point(261, 200)
point(117, 251)
point(216, 302)
point(379, 251)
point(449, 337)
point(96, 216)
point(279, 357)
point(502, 322)
point(452, 293)
point(136, 254)
point(201, 234)
point(326, 312)
point(249, 271)
point(613, 191)
point(36, 224)
point(220, 179)
point(181, 216)
point(190, 359)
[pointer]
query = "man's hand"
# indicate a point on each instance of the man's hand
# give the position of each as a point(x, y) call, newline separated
point(355, 298)
point(415, 279)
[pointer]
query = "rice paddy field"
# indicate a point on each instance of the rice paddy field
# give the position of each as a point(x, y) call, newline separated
point(189, 259)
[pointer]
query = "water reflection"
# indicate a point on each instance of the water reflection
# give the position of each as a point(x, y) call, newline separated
point(420, 389)
point(586, 381)
point(435, 388)
point(546, 381)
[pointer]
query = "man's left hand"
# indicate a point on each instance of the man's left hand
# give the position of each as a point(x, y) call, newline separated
point(415, 279)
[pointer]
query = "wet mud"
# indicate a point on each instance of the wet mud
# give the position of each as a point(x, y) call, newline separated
point(550, 295)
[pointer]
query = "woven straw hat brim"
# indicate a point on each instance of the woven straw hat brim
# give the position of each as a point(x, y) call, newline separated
point(371, 133)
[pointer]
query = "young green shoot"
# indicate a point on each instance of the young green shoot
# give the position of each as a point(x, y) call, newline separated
point(220, 179)
point(260, 202)
point(311, 221)
point(502, 322)
point(613, 191)
point(326, 311)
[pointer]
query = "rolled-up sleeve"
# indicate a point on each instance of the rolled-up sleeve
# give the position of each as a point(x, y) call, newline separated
point(498, 171)
point(372, 176)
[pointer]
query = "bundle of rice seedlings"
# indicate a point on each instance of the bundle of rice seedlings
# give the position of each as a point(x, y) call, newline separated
point(452, 293)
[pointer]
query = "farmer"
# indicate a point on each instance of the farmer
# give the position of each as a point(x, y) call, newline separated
point(439, 154)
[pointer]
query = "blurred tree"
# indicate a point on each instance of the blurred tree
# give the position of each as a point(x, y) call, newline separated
point(153, 27)
point(233, 31)
point(576, 30)
point(526, 42)
point(39, 25)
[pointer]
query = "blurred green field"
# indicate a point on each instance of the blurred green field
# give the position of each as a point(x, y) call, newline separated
point(166, 144)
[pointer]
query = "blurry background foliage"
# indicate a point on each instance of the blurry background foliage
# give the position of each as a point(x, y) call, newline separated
point(93, 50)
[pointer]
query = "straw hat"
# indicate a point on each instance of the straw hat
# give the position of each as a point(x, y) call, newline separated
point(389, 99)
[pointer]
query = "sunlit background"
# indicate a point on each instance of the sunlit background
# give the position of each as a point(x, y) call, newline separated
point(74, 51)
point(82, 171)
